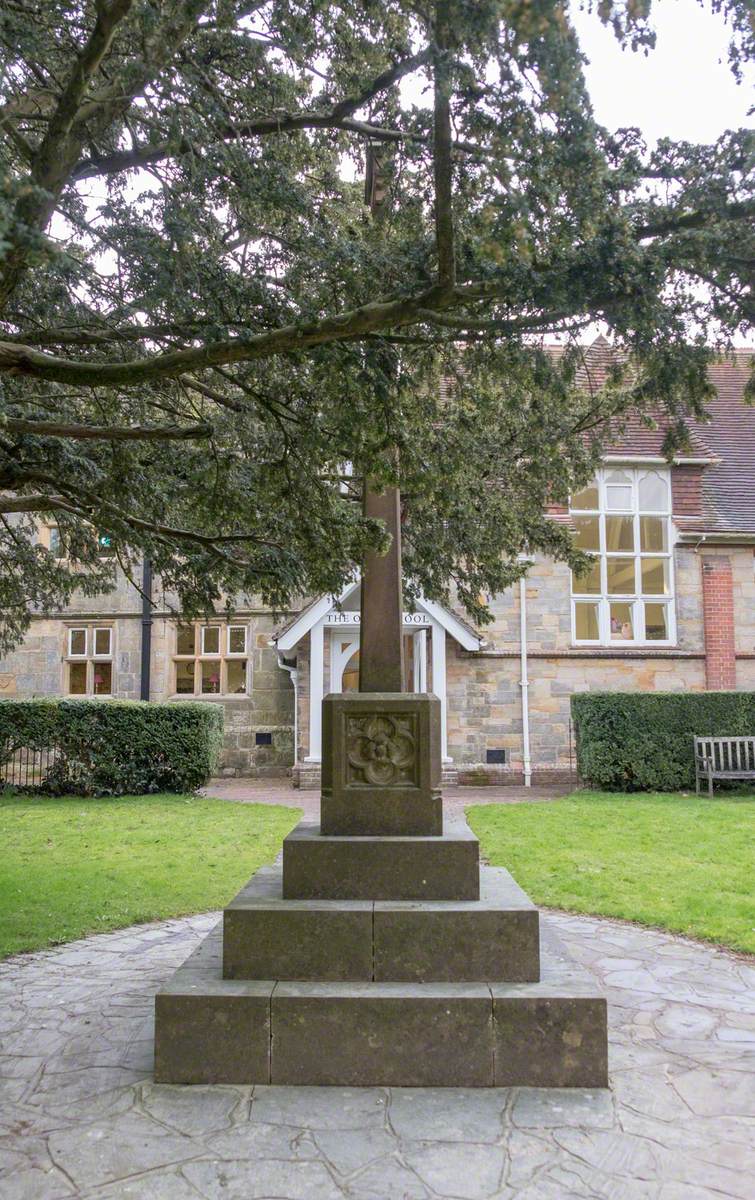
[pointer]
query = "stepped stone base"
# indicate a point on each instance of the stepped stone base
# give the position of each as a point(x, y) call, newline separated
point(317, 867)
point(214, 1030)
point(493, 938)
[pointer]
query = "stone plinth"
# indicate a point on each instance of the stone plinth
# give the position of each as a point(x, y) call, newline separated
point(316, 867)
point(381, 765)
point(267, 937)
point(209, 1029)
point(401, 1034)
point(381, 953)
point(549, 1033)
point(419, 941)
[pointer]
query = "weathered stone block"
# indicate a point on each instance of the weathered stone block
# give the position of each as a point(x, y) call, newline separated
point(493, 938)
point(210, 1030)
point(381, 767)
point(266, 937)
point(318, 867)
point(554, 1033)
point(382, 1034)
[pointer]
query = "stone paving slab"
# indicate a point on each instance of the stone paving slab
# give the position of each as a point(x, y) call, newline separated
point(81, 1117)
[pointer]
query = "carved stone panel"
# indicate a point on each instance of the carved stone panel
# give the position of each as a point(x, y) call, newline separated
point(381, 750)
point(381, 765)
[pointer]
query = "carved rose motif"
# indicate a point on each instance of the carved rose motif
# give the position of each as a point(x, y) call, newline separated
point(380, 750)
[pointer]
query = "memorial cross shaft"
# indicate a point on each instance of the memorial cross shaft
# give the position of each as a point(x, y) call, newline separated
point(381, 642)
point(381, 649)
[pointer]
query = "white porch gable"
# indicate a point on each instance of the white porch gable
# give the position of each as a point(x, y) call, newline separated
point(329, 612)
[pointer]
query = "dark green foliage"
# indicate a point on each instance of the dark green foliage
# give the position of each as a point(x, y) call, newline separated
point(202, 322)
point(121, 747)
point(643, 741)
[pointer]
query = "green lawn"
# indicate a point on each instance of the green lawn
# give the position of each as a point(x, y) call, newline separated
point(665, 860)
point(70, 866)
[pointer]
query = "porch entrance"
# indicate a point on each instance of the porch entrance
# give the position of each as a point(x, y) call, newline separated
point(344, 661)
point(332, 626)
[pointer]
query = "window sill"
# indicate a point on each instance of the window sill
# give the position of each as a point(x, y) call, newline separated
point(89, 696)
point(621, 647)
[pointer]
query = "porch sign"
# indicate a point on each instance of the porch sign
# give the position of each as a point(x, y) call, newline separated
point(348, 616)
point(381, 767)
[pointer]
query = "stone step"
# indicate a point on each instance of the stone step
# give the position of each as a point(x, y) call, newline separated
point(493, 938)
point(546, 1034)
point(320, 867)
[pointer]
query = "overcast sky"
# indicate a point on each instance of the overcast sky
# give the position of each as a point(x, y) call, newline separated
point(683, 89)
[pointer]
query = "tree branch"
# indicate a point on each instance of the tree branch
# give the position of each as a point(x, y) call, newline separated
point(678, 223)
point(504, 325)
point(444, 224)
point(84, 508)
point(102, 337)
point(108, 433)
point(72, 124)
point(339, 117)
point(24, 360)
point(145, 156)
point(60, 147)
point(37, 503)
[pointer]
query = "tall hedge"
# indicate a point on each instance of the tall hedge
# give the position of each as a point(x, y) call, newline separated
point(115, 747)
point(643, 741)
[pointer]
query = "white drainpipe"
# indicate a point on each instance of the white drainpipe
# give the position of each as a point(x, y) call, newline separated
point(524, 683)
point(294, 673)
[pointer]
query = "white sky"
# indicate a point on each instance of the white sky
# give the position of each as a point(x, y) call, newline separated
point(683, 89)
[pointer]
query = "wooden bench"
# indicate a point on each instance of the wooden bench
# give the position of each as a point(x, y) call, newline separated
point(729, 758)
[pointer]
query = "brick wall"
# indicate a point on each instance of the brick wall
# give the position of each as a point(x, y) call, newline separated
point(686, 491)
point(718, 614)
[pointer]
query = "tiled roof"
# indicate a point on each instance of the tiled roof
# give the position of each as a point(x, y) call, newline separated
point(729, 483)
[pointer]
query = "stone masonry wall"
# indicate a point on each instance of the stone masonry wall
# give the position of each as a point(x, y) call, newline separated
point(484, 692)
point(268, 708)
point(37, 668)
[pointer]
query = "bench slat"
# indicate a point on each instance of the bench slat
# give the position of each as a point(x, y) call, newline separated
point(724, 758)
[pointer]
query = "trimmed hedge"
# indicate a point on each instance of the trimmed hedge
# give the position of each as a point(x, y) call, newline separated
point(642, 741)
point(115, 747)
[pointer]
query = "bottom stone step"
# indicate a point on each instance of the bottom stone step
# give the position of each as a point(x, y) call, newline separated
point(546, 1034)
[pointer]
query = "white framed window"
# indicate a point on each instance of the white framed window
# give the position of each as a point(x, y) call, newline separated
point(78, 640)
point(55, 544)
point(623, 518)
point(211, 660)
point(50, 536)
point(88, 660)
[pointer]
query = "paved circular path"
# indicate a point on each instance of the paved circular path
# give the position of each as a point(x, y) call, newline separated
point(79, 1115)
point(455, 799)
